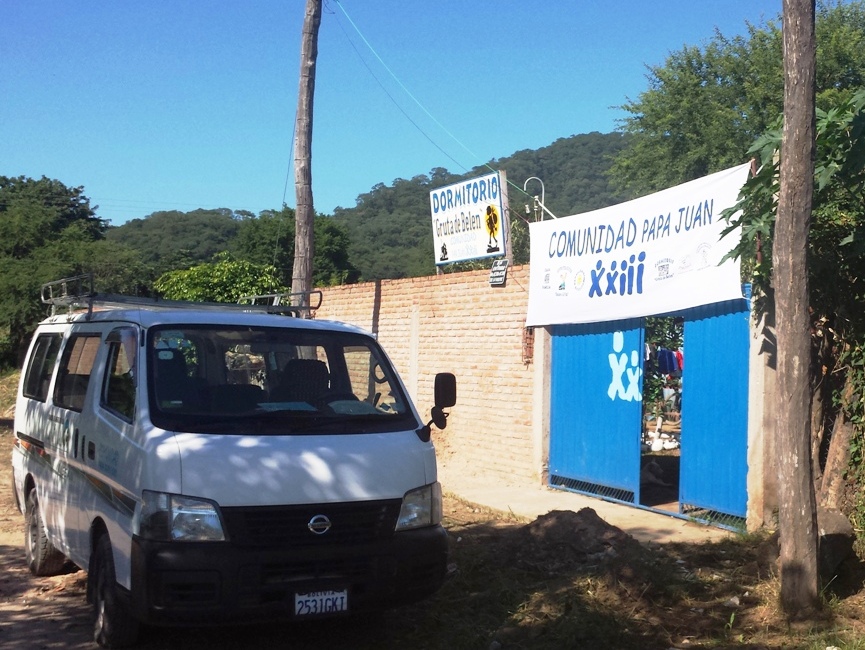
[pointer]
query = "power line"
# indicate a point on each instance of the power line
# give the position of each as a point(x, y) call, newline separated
point(384, 89)
point(413, 98)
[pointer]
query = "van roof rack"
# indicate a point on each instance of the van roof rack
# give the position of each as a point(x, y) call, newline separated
point(279, 299)
point(76, 293)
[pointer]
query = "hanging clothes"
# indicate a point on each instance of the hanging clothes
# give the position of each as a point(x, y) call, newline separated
point(667, 363)
point(650, 361)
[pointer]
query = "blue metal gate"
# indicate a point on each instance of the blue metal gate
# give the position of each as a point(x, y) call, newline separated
point(714, 461)
point(595, 410)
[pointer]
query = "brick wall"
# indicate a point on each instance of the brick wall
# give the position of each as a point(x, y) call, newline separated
point(457, 323)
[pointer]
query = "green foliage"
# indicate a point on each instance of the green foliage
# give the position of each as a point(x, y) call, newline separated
point(663, 332)
point(225, 280)
point(331, 265)
point(389, 231)
point(49, 231)
point(172, 240)
point(706, 105)
point(35, 212)
point(269, 239)
point(837, 238)
point(573, 171)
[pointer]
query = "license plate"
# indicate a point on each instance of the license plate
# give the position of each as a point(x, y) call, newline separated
point(316, 603)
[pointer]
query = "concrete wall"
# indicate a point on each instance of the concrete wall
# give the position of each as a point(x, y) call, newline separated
point(762, 416)
point(458, 323)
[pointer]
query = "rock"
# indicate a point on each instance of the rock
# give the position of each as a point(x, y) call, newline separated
point(836, 540)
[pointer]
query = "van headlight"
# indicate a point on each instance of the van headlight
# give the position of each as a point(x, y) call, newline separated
point(171, 517)
point(421, 507)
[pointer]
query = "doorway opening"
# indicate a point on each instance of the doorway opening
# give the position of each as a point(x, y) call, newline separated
point(661, 431)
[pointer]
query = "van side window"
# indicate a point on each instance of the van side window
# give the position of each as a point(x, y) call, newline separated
point(38, 375)
point(76, 365)
point(369, 380)
point(118, 390)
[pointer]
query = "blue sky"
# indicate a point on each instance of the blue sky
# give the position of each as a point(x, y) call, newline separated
point(182, 104)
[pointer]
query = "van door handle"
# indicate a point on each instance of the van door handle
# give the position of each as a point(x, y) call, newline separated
point(91, 451)
point(75, 444)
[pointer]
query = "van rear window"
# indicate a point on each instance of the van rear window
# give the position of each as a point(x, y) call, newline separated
point(38, 376)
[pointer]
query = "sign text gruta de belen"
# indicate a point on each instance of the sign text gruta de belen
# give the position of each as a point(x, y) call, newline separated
point(465, 195)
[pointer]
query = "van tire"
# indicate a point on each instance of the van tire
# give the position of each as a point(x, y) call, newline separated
point(42, 558)
point(113, 623)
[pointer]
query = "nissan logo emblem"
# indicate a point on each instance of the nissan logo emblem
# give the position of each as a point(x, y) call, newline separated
point(319, 525)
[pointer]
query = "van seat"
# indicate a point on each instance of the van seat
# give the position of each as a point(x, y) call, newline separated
point(174, 386)
point(235, 398)
point(303, 380)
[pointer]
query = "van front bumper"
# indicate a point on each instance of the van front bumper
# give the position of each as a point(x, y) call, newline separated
point(202, 583)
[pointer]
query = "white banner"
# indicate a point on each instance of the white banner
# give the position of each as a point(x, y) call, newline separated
point(653, 255)
point(467, 219)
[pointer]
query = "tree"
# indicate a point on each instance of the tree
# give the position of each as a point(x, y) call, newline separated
point(304, 246)
point(49, 231)
point(797, 512)
point(269, 239)
point(169, 240)
point(331, 262)
point(225, 280)
point(35, 212)
point(706, 105)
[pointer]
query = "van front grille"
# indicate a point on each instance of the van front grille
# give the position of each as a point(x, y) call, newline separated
point(350, 523)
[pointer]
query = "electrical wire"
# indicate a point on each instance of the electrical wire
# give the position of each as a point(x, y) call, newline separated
point(413, 98)
point(391, 97)
point(285, 190)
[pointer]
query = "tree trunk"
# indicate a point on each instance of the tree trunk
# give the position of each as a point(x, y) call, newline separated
point(837, 461)
point(818, 427)
point(821, 397)
point(304, 244)
point(832, 488)
point(797, 516)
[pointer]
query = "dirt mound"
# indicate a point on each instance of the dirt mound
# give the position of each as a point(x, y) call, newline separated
point(564, 539)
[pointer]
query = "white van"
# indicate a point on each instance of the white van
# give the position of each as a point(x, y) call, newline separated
point(222, 463)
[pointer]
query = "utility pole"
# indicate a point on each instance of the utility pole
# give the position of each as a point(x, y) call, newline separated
point(304, 242)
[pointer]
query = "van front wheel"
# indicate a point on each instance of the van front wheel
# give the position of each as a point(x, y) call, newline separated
point(42, 558)
point(114, 626)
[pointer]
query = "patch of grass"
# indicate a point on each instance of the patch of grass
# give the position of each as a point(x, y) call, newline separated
point(8, 389)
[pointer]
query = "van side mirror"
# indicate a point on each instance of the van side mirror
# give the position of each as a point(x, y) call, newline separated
point(445, 396)
point(445, 390)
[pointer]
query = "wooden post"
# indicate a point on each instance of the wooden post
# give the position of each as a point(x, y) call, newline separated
point(797, 508)
point(304, 244)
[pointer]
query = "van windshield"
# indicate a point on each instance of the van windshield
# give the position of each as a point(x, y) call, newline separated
point(261, 380)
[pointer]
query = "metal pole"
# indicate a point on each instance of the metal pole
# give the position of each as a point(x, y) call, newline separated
point(542, 200)
point(535, 178)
